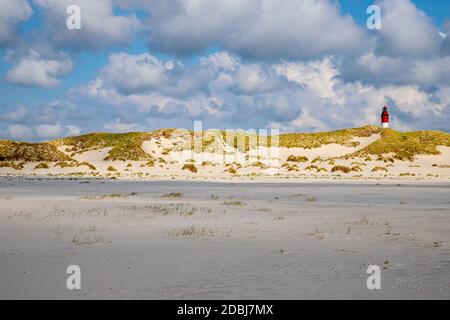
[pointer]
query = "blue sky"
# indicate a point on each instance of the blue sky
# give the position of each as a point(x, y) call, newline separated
point(294, 65)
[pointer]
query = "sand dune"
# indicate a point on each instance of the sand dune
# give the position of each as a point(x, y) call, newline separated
point(366, 153)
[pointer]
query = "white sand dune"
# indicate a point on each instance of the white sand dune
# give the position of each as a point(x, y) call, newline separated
point(261, 164)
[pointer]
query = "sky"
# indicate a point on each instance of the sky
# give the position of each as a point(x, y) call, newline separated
point(297, 66)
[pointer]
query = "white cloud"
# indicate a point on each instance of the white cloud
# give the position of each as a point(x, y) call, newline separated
point(73, 130)
point(383, 70)
point(118, 126)
point(134, 73)
point(15, 116)
point(100, 26)
point(37, 70)
point(19, 132)
point(254, 28)
point(406, 31)
point(305, 96)
point(12, 12)
point(49, 131)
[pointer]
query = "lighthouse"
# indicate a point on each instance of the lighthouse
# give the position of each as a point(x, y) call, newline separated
point(385, 117)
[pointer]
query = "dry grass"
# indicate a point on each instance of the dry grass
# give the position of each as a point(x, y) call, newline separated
point(15, 166)
point(148, 164)
point(315, 140)
point(375, 169)
point(30, 152)
point(231, 170)
point(343, 169)
point(124, 146)
point(109, 196)
point(189, 166)
point(178, 209)
point(293, 158)
point(173, 195)
point(406, 145)
point(234, 203)
point(42, 165)
point(197, 232)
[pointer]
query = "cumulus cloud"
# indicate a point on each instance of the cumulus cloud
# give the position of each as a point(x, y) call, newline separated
point(253, 28)
point(11, 13)
point(19, 132)
point(294, 65)
point(118, 126)
point(39, 70)
point(135, 73)
point(17, 115)
point(382, 70)
point(100, 26)
point(406, 31)
point(49, 131)
point(309, 95)
point(73, 130)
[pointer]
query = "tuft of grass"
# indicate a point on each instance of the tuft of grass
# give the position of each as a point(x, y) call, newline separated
point(293, 158)
point(343, 169)
point(7, 164)
point(375, 169)
point(111, 168)
point(258, 164)
point(173, 195)
point(196, 232)
point(109, 196)
point(231, 170)
point(42, 165)
point(179, 209)
point(87, 164)
point(148, 164)
point(191, 167)
point(234, 203)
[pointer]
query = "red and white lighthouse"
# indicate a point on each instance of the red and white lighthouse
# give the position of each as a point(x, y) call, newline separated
point(385, 117)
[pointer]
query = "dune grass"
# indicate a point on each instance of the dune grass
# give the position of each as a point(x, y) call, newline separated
point(125, 146)
point(406, 145)
point(30, 152)
point(189, 166)
point(343, 169)
point(317, 139)
point(15, 166)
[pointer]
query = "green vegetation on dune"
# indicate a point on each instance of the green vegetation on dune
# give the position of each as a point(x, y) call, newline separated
point(406, 145)
point(125, 146)
point(30, 152)
point(128, 146)
point(317, 139)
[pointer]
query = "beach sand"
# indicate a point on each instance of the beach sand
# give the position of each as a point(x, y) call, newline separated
point(202, 240)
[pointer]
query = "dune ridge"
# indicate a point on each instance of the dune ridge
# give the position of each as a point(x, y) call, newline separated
point(367, 152)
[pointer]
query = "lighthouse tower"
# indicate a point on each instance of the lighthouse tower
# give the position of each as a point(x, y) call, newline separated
point(385, 117)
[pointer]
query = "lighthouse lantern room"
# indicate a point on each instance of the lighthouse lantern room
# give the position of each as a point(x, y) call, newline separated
point(385, 117)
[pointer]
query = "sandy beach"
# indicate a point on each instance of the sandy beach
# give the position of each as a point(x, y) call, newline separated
point(203, 240)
